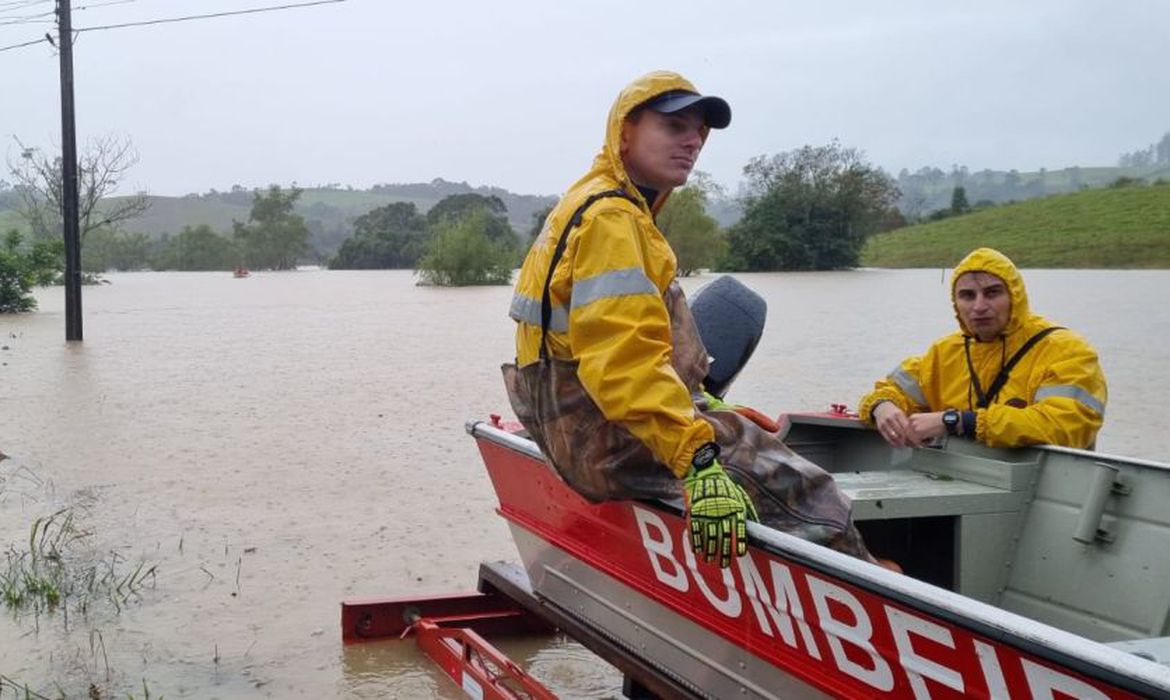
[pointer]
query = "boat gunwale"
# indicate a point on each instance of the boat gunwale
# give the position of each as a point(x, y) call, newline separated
point(1105, 457)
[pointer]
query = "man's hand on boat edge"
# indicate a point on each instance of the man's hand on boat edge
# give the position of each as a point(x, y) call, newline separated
point(717, 512)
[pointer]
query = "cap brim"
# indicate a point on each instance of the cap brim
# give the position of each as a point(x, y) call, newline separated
point(716, 111)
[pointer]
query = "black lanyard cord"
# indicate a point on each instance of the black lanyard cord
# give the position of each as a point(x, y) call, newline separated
point(1005, 369)
point(545, 297)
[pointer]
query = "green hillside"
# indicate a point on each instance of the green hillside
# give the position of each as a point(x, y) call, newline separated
point(1110, 228)
point(171, 214)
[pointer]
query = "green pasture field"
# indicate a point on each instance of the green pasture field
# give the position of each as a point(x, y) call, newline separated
point(1108, 228)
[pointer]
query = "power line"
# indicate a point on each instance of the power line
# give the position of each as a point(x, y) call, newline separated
point(168, 20)
point(28, 19)
point(17, 11)
point(207, 16)
point(27, 7)
point(17, 4)
point(27, 43)
point(102, 4)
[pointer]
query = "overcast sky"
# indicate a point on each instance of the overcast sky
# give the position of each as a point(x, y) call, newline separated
point(515, 94)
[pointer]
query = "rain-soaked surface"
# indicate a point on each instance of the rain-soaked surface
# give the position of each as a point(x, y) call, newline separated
point(275, 444)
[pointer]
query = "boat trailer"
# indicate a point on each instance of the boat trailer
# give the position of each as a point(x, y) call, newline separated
point(453, 630)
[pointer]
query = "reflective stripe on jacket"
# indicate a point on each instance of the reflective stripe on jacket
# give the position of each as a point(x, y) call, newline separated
point(608, 312)
point(1055, 395)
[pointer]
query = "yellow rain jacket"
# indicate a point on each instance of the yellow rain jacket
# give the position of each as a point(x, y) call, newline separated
point(608, 312)
point(1055, 395)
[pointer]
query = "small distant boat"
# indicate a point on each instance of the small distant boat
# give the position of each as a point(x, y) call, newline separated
point(240, 272)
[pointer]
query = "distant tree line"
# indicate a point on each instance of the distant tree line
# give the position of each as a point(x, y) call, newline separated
point(929, 190)
point(1153, 155)
point(273, 238)
point(329, 209)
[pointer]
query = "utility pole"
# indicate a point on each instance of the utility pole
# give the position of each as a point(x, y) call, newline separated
point(70, 203)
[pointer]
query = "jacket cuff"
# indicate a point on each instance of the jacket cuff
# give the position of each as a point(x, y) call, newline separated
point(969, 422)
point(981, 425)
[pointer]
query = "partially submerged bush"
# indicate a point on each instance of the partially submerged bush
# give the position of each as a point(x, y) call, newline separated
point(461, 254)
point(22, 267)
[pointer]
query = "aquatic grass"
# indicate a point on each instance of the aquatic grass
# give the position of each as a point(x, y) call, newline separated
point(35, 577)
point(59, 568)
point(20, 691)
point(145, 693)
point(10, 688)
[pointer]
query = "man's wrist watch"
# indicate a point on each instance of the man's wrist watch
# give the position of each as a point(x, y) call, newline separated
point(951, 419)
point(704, 456)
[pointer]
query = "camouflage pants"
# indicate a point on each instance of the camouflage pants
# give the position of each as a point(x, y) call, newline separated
point(603, 461)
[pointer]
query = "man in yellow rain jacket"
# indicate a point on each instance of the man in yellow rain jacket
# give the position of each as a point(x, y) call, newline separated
point(1007, 377)
point(609, 363)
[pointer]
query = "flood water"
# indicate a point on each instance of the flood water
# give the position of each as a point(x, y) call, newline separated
point(275, 444)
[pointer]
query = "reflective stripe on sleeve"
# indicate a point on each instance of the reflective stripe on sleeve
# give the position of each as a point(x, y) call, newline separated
point(1070, 391)
point(527, 310)
point(615, 283)
point(908, 384)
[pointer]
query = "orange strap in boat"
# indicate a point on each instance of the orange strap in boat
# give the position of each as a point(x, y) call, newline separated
point(758, 418)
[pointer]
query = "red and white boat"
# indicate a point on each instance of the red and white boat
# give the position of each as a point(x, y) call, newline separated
point(1030, 573)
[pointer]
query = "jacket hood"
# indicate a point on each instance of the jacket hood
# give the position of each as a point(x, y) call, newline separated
point(609, 161)
point(996, 263)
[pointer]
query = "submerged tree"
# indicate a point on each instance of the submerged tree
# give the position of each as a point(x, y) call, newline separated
point(389, 237)
point(809, 209)
point(274, 236)
point(106, 249)
point(196, 248)
point(456, 206)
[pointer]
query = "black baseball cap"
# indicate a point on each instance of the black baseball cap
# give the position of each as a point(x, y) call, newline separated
point(716, 111)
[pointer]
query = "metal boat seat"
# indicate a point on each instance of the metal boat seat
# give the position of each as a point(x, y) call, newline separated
point(906, 493)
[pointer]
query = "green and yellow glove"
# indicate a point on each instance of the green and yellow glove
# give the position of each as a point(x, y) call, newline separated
point(717, 510)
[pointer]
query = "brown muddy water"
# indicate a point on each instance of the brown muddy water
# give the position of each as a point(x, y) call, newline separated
point(275, 444)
